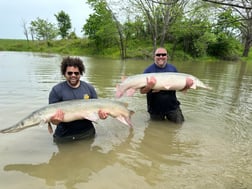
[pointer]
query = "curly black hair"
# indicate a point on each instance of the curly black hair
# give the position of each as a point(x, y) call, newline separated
point(72, 61)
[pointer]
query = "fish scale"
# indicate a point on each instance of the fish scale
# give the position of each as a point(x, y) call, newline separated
point(75, 110)
point(164, 81)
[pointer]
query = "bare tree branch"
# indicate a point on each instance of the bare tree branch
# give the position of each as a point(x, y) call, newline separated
point(228, 4)
point(165, 3)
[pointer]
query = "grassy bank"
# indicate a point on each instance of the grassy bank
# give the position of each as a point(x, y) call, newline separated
point(82, 47)
point(69, 47)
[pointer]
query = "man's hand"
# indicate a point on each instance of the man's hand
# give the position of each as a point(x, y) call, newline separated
point(57, 117)
point(150, 83)
point(102, 114)
point(189, 83)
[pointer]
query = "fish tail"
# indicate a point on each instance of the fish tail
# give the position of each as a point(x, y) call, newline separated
point(131, 113)
point(49, 127)
point(119, 93)
point(208, 87)
point(128, 119)
point(130, 91)
point(125, 120)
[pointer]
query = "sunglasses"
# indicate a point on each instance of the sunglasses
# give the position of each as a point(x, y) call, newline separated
point(75, 73)
point(161, 54)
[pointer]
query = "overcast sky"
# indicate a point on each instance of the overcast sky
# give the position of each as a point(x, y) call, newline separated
point(14, 12)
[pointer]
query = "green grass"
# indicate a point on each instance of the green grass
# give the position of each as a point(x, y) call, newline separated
point(67, 47)
point(82, 47)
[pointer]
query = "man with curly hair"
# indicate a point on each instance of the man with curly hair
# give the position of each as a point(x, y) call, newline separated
point(72, 88)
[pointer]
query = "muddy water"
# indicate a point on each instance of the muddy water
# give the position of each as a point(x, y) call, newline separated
point(212, 149)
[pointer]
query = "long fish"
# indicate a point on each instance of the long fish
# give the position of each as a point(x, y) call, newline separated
point(75, 110)
point(164, 81)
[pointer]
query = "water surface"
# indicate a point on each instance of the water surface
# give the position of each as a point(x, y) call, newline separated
point(212, 149)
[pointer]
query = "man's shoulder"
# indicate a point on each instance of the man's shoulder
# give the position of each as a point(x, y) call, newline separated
point(171, 67)
point(87, 87)
point(84, 83)
point(62, 83)
point(153, 68)
point(150, 68)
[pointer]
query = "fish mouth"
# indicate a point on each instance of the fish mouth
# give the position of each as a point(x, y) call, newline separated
point(15, 129)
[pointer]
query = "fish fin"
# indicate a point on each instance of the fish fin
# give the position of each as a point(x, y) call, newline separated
point(119, 93)
point(125, 104)
point(208, 87)
point(130, 92)
point(131, 113)
point(41, 123)
point(124, 120)
point(167, 87)
point(193, 86)
point(49, 127)
point(92, 117)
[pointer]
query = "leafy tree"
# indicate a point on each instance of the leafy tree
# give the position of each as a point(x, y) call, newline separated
point(72, 35)
point(200, 33)
point(197, 29)
point(136, 29)
point(64, 24)
point(226, 29)
point(244, 10)
point(100, 26)
point(227, 23)
point(224, 47)
point(43, 30)
point(191, 35)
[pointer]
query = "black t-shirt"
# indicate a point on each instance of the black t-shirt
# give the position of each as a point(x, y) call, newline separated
point(63, 92)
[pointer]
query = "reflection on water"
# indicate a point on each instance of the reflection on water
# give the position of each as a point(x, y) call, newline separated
point(65, 166)
point(212, 149)
point(83, 158)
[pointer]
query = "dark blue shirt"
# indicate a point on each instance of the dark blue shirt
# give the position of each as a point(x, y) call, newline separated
point(154, 68)
point(63, 92)
point(162, 102)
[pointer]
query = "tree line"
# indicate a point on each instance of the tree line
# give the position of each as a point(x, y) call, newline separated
point(219, 28)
